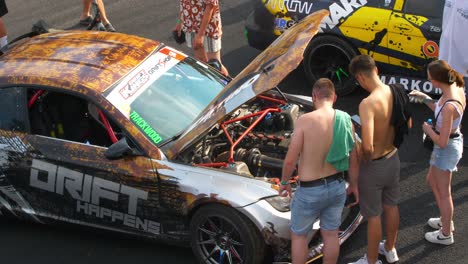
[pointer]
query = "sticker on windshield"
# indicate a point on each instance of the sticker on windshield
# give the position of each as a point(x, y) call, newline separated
point(145, 127)
point(136, 82)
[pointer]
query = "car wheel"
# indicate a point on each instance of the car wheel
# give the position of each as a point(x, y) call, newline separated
point(329, 57)
point(220, 234)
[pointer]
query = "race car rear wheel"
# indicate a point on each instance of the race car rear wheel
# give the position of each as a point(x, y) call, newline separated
point(329, 57)
point(220, 234)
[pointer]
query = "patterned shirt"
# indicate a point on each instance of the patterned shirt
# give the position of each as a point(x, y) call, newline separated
point(192, 14)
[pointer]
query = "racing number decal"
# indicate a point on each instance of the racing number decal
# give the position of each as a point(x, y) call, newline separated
point(431, 49)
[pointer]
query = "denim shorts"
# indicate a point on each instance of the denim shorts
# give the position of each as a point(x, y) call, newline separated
point(324, 202)
point(447, 158)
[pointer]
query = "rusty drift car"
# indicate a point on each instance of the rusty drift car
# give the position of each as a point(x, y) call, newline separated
point(125, 134)
point(401, 35)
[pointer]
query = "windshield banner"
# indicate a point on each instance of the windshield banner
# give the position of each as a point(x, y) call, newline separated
point(135, 83)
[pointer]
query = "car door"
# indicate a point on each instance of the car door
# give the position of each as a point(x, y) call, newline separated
point(13, 150)
point(366, 27)
point(60, 170)
point(414, 33)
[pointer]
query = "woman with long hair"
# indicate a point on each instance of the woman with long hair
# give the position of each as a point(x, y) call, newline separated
point(448, 144)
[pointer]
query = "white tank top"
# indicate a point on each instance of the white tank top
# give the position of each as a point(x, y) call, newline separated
point(456, 121)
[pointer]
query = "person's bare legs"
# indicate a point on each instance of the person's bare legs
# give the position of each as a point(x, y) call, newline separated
point(86, 12)
point(374, 235)
point(102, 10)
point(217, 55)
point(431, 181)
point(392, 223)
point(3, 33)
point(200, 54)
point(443, 180)
point(331, 246)
point(299, 248)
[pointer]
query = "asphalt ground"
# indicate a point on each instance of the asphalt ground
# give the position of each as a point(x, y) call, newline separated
point(31, 243)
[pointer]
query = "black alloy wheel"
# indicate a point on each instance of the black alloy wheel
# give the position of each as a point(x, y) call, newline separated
point(220, 234)
point(329, 57)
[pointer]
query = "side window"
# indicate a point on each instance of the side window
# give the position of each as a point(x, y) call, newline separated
point(386, 4)
point(13, 114)
point(68, 117)
point(426, 8)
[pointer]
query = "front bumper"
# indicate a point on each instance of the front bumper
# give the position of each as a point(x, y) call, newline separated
point(274, 227)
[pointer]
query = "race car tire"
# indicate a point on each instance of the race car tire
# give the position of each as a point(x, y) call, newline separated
point(218, 232)
point(329, 56)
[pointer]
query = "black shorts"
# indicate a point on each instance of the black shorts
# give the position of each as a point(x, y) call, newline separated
point(3, 8)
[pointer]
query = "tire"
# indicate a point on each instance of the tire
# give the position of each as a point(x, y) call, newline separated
point(218, 233)
point(329, 57)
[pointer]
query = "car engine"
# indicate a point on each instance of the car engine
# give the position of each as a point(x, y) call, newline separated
point(252, 141)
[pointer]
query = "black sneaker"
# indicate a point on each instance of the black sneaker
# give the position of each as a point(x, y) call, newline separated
point(110, 28)
point(86, 21)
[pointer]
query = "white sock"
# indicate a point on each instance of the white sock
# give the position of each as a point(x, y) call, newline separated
point(3, 41)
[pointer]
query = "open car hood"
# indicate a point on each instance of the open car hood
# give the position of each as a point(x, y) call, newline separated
point(265, 72)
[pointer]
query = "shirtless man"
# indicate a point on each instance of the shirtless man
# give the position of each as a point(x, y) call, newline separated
point(321, 191)
point(379, 169)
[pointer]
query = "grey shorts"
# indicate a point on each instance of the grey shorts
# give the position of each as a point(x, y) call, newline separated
point(379, 183)
point(210, 44)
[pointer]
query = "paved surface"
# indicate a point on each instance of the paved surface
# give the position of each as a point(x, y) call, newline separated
point(29, 243)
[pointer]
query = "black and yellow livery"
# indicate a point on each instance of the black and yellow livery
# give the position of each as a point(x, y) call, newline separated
point(401, 35)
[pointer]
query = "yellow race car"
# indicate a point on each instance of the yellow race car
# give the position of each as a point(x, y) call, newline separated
point(401, 35)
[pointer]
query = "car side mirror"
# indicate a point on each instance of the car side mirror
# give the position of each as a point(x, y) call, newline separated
point(120, 149)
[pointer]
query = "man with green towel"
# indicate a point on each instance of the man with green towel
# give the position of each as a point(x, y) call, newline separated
point(323, 142)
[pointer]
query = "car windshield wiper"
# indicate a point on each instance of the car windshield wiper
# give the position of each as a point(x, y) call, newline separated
point(175, 137)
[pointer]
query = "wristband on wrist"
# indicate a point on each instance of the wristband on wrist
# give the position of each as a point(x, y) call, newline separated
point(179, 21)
point(284, 182)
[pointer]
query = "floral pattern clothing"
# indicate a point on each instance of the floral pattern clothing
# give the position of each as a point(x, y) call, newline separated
point(192, 14)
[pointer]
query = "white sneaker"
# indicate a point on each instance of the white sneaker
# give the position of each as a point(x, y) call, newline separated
point(390, 255)
point(437, 224)
point(363, 260)
point(438, 237)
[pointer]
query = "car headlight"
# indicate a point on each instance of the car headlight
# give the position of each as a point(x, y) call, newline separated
point(280, 203)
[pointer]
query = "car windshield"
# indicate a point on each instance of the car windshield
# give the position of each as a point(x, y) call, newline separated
point(162, 97)
point(173, 101)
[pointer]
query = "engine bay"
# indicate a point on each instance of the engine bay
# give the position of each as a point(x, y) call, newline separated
point(253, 140)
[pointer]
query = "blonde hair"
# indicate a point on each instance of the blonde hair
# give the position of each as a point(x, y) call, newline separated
point(323, 88)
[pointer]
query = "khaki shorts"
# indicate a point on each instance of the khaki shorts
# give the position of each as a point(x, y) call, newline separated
point(379, 183)
point(210, 44)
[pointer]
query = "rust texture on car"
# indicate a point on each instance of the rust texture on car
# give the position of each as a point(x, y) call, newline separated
point(76, 60)
point(83, 62)
point(276, 62)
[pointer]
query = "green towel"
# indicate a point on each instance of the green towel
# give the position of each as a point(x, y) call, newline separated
point(343, 142)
